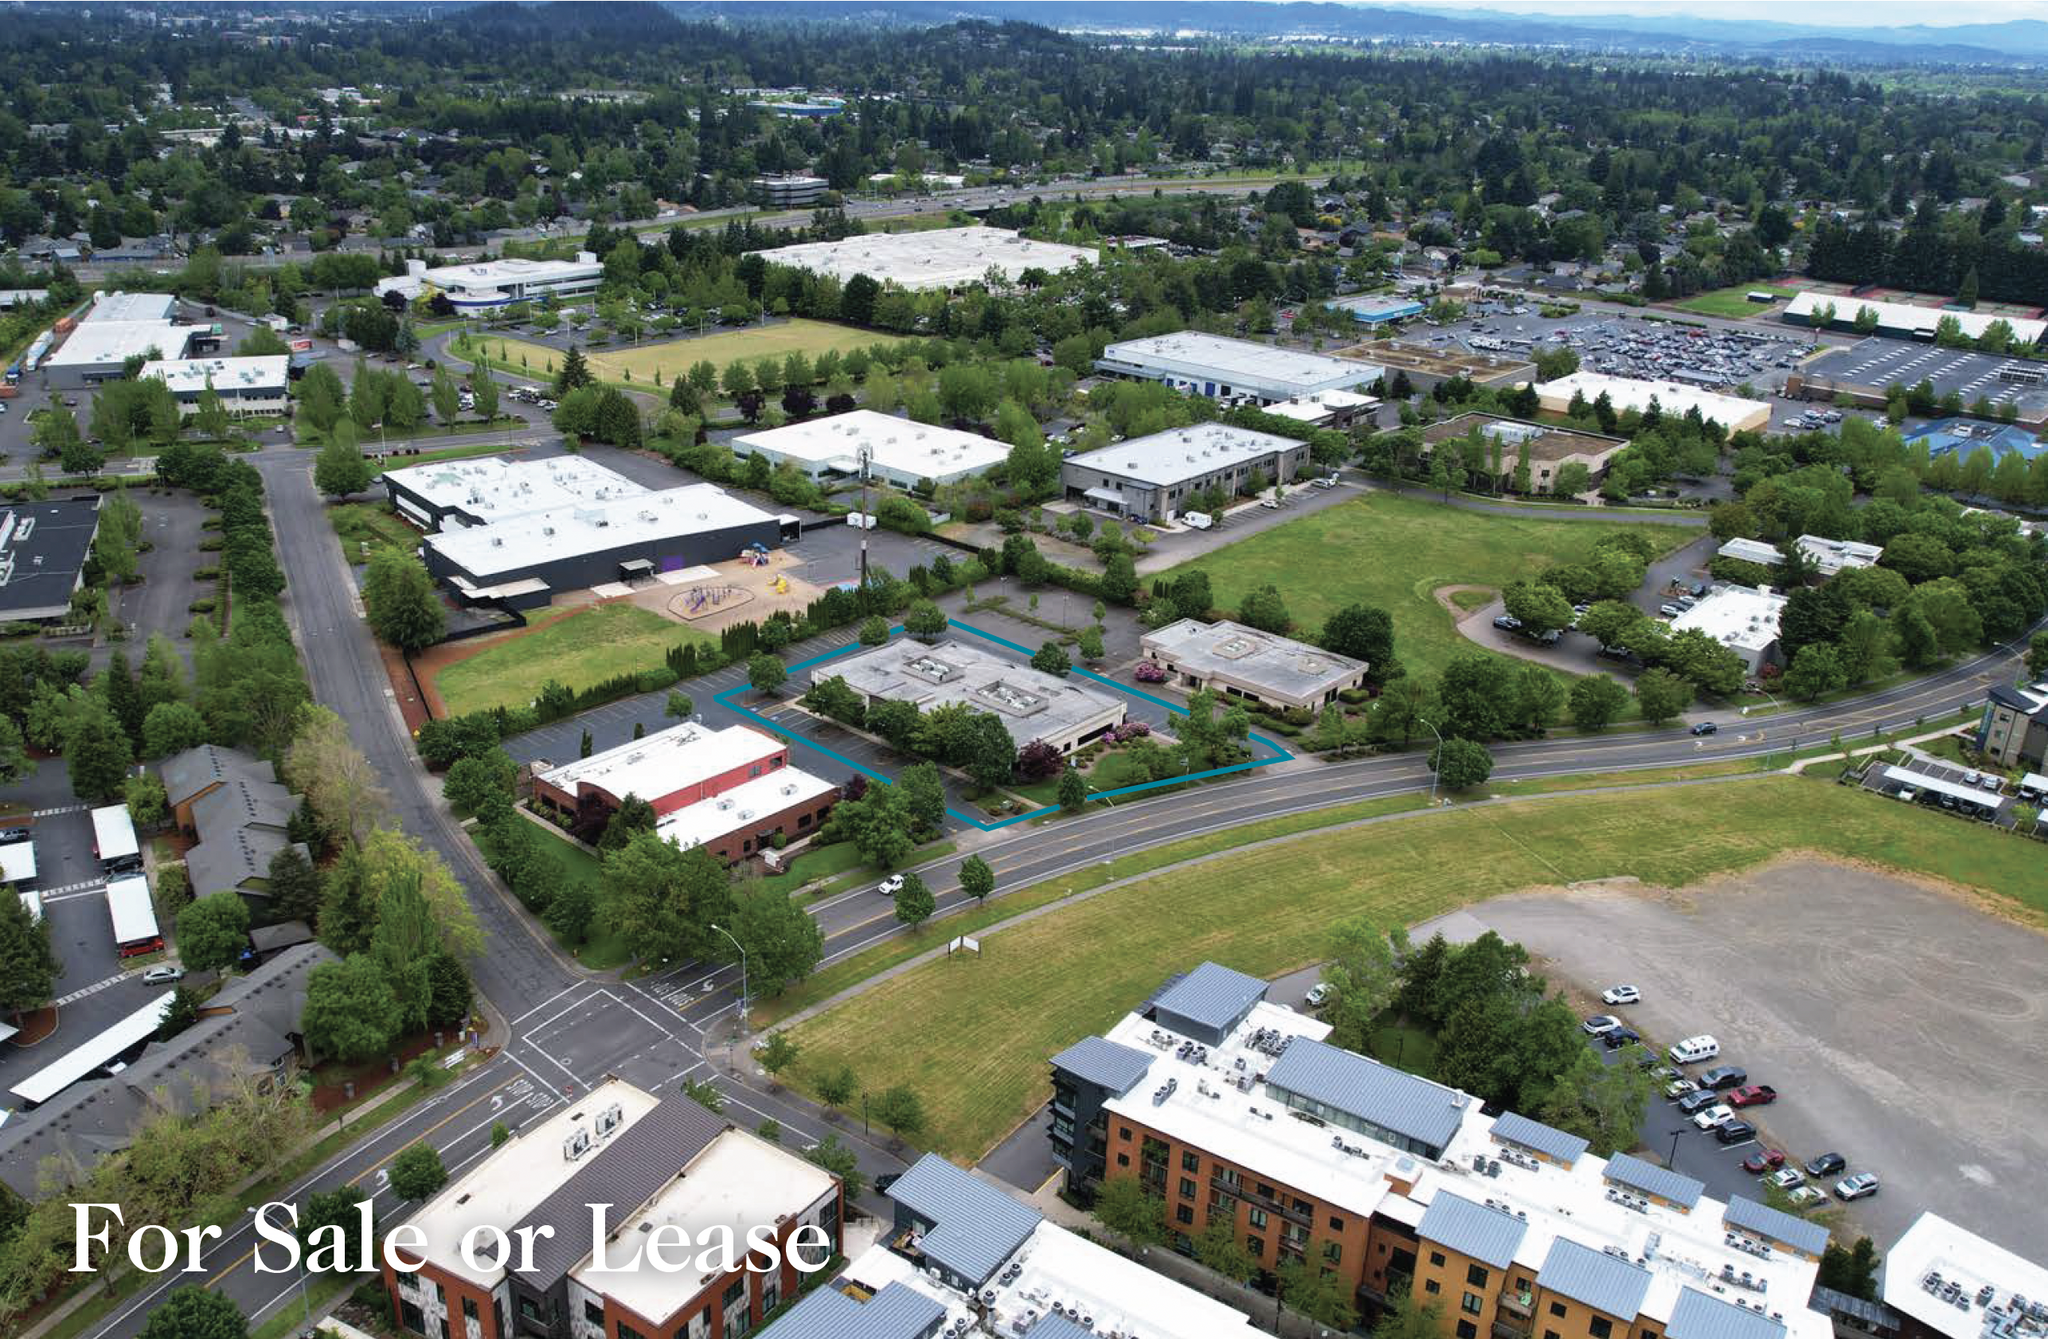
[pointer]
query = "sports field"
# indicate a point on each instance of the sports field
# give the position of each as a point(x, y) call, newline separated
point(671, 357)
point(1395, 552)
point(971, 1034)
point(577, 649)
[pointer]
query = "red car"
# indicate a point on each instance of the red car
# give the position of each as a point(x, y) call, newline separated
point(1751, 1095)
point(1763, 1160)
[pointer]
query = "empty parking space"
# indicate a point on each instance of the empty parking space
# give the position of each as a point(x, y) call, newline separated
point(1884, 362)
point(1901, 1026)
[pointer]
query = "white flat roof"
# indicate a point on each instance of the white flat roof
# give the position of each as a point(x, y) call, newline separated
point(1940, 785)
point(1912, 317)
point(899, 446)
point(93, 1052)
point(1933, 1245)
point(230, 376)
point(1673, 398)
point(1030, 703)
point(1319, 405)
point(740, 1181)
point(17, 862)
point(505, 1187)
point(708, 820)
point(565, 532)
point(131, 909)
point(1751, 551)
point(113, 832)
point(666, 761)
point(1836, 555)
point(97, 343)
point(493, 488)
point(940, 258)
point(1736, 616)
point(495, 274)
point(1240, 363)
point(130, 307)
point(1264, 659)
point(1179, 454)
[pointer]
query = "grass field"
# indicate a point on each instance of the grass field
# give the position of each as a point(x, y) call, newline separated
point(1733, 302)
point(578, 649)
point(358, 523)
point(1393, 552)
point(971, 1034)
point(810, 338)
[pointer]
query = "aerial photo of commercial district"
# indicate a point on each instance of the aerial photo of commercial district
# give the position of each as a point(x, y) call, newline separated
point(1023, 669)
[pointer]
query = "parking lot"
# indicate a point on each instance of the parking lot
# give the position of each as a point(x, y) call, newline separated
point(1965, 793)
point(1628, 346)
point(1901, 1026)
point(1884, 362)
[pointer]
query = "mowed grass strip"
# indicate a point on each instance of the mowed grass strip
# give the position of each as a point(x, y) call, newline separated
point(810, 338)
point(972, 1034)
point(1733, 302)
point(1396, 552)
point(580, 648)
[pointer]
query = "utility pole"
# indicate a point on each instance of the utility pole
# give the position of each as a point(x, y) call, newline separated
point(864, 456)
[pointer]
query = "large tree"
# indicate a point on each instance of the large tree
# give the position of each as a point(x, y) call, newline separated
point(340, 470)
point(193, 1312)
point(213, 931)
point(1363, 977)
point(29, 967)
point(323, 763)
point(782, 940)
point(350, 1011)
point(400, 602)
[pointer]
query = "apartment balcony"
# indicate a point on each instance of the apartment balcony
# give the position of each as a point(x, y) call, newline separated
point(1267, 1202)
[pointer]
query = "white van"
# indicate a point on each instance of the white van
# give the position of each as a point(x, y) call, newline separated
point(1694, 1049)
point(1196, 520)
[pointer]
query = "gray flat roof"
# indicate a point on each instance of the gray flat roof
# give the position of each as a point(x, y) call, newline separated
point(1264, 659)
point(1698, 1316)
point(1514, 1128)
point(1477, 1230)
point(1604, 1282)
point(1180, 454)
point(1776, 1224)
point(1108, 1064)
point(1212, 995)
point(975, 1227)
point(1626, 1169)
point(1373, 1092)
point(1241, 364)
point(1030, 703)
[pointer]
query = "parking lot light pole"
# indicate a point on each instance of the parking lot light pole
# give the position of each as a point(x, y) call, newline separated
point(743, 976)
point(1436, 771)
point(1672, 1161)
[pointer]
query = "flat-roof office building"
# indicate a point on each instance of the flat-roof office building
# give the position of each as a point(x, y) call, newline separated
point(1227, 369)
point(899, 451)
point(942, 258)
point(1673, 399)
point(1903, 319)
point(43, 548)
point(790, 192)
point(1030, 703)
point(249, 385)
point(497, 283)
point(1158, 477)
point(1261, 667)
point(117, 327)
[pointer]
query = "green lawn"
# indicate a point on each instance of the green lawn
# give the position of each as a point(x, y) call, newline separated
point(1733, 302)
point(604, 949)
point(359, 523)
point(671, 357)
point(971, 1034)
point(1403, 1046)
point(816, 862)
point(1394, 552)
point(581, 648)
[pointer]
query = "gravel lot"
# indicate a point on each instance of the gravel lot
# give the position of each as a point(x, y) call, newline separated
point(1901, 1026)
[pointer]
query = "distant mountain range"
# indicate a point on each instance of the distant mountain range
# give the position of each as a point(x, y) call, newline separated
point(2015, 42)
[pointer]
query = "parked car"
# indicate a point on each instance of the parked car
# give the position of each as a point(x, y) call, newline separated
point(1735, 1131)
point(1507, 622)
point(1827, 1164)
point(890, 886)
point(1698, 1100)
point(1694, 1050)
point(1752, 1095)
point(1680, 1088)
point(1317, 993)
point(1600, 1023)
point(1787, 1177)
point(1806, 1197)
point(1616, 1038)
point(885, 1180)
point(1707, 1118)
point(163, 975)
point(1860, 1186)
point(1764, 1160)
point(1724, 1076)
point(1669, 610)
point(1706, 728)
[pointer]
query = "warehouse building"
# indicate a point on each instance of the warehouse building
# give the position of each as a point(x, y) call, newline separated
point(790, 192)
point(1158, 477)
point(255, 385)
point(1827, 557)
point(1376, 309)
point(657, 1167)
point(1903, 320)
point(456, 494)
point(790, 803)
point(898, 451)
point(486, 284)
point(1233, 369)
point(1428, 368)
point(1263, 667)
point(1742, 619)
point(670, 769)
point(941, 258)
point(1335, 410)
point(1549, 448)
point(1030, 703)
point(43, 548)
point(521, 562)
point(117, 327)
point(1230, 1108)
point(1673, 399)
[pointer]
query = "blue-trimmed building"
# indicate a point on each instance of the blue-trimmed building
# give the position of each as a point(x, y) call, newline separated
point(1376, 309)
point(1966, 436)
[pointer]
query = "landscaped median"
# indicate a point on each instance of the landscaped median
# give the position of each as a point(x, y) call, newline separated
point(971, 1033)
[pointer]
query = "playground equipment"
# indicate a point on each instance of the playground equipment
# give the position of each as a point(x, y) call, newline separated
point(755, 555)
point(780, 585)
point(714, 596)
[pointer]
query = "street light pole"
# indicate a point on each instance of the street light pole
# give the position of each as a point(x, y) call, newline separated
point(864, 455)
point(743, 975)
point(1436, 771)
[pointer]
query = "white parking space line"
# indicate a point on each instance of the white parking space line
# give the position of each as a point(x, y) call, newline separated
point(93, 989)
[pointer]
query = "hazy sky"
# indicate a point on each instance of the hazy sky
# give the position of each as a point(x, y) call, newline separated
point(1859, 13)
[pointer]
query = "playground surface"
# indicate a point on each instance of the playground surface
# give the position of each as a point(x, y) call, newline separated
point(638, 364)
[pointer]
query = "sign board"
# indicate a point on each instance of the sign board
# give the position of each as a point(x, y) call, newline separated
point(963, 944)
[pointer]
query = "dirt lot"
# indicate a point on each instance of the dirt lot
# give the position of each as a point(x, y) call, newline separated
point(1901, 1025)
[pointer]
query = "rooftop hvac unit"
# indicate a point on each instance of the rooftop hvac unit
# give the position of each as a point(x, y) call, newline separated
point(610, 1118)
point(576, 1145)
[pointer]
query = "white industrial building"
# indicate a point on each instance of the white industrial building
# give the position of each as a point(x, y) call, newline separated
point(1673, 399)
point(254, 385)
point(1827, 557)
point(941, 258)
point(452, 494)
point(1325, 409)
point(117, 327)
point(1227, 369)
point(793, 191)
point(1946, 1280)
point(899, 451)
point(1155, 478)
point(497, 283)
point(1906, 319)
point(1031, 704)
point(1739, 618)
